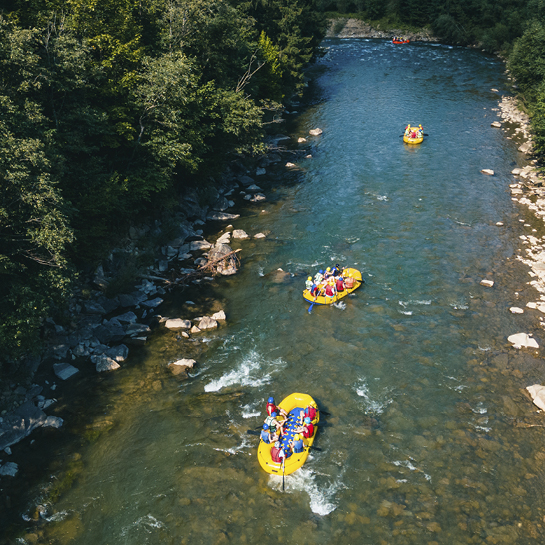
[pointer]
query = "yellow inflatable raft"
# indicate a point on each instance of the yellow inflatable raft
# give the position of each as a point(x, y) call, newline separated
point(293, 405)
point(323, 300)
point(417, 140)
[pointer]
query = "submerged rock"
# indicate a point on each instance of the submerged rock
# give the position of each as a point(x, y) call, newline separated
point(104, 363)
point(315, 132)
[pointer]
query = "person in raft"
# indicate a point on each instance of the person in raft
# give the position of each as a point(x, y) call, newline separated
point(307, 429)
point(349, 282)
point(276, 426)
point(272, 408)
point(337, 270)
point(278, 452)
point(330, 290)
point(297, 444)
point(339, 285)
point(318, 277)
point(266, 434)
point(311, 411)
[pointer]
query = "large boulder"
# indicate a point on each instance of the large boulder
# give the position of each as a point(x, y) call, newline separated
point(537, 392)
point(207, 323)
point(227, 266)
point(104, 363)
point(118, 353)
point(240, 234)
point(522, 340)
point(177, 323)
point(20, 423)
point(181, 366)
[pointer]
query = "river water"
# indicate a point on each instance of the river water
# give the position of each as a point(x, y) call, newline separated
point(430, 438)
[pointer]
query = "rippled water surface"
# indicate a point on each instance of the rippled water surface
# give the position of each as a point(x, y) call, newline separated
point(430, 438)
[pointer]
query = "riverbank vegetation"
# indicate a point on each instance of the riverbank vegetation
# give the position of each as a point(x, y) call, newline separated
point(109, 109)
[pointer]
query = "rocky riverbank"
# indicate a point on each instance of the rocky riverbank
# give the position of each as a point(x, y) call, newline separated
point(356, 28)
point(101, 331)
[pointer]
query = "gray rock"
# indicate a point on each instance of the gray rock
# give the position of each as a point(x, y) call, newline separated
point(60, 351)
point(53, 422)
point(526, 147)
point(194, 329)
point(240, 234)
point(226, 267)
point(246, 180)
point(315, 132)
point(220, 315)
point(92, 307)
point(162, 265)
point(118, 353)
point(181, 366)
point(207, 323)
point(200, 245)
point(128, 317)
point(126, 300)
point(220, 204)
point(177, 323)
point(137, 329)
point(9, 470)
point(152, 303)
point(222, 216)
point(258, 197)
point(260, 171)
point(64, 370)
point(20, 423)
point(104, 363)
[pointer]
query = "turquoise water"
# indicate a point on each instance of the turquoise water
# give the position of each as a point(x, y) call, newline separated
point(427, 440)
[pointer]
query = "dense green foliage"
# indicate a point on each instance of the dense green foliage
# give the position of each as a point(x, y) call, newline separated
point(109, 108)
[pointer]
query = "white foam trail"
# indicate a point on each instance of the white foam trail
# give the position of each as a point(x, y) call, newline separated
point(250, 410)
point(340, 305)
point(372, 406)
point(409, 465)
point(234, 450)
point(254, 370)
point(406, 312)
point(146, 523)
point(260, 271)
point(304, 480)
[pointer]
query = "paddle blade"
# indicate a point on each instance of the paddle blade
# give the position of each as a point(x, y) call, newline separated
point(310, 308)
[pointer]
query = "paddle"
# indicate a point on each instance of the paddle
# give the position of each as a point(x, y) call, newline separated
point(283, 467)
point(401, 135)
point(252, 432)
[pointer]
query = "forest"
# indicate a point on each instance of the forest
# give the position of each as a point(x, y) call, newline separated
point(110, 108)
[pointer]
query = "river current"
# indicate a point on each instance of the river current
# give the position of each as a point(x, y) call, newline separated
point(430, 437)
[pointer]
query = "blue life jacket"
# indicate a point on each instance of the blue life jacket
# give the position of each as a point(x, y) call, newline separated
point(265, 436)
point(298, 446)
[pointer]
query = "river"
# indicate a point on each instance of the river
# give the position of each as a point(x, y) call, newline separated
point(423, 443)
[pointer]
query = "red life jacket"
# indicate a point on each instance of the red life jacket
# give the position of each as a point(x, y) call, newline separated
point(340, 285)
point(310, 412)
point(329, 291)
point(271, 408)
point(310, 430)
point(275, 455)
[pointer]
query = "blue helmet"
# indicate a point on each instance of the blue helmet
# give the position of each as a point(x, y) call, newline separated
point(274, 414)
point(265, 426)
point(270, 400)
point(321, 271)
point(307, 420)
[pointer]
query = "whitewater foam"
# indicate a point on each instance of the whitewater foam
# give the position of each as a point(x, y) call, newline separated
point(254, 370)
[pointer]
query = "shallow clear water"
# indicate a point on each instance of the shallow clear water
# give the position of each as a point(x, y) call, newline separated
point(428, 438)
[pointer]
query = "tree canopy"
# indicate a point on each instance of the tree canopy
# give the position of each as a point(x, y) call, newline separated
point(109, 108)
